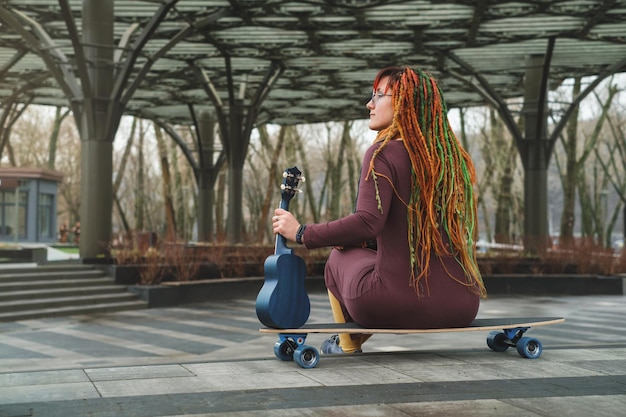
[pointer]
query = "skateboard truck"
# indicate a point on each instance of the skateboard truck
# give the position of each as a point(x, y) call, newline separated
point(527, 347)
point(291, 347)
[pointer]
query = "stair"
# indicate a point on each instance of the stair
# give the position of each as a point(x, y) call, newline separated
point(60, 290)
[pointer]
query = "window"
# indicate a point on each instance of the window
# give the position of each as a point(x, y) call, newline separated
point(45, 214)
point(8, 219)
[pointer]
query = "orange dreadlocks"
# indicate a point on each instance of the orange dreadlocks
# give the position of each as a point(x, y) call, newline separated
point(442, 197)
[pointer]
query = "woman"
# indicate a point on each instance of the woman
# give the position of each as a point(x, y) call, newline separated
point(416, 200)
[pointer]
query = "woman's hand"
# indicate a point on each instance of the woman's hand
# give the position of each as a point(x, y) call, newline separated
point(284, 223)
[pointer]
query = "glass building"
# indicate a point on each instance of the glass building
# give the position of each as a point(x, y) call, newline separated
point(28, 204)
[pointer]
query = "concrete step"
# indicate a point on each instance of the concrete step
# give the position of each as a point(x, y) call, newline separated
point(44, 303)
point(49, 275)
point(72, 310)
point(53, 267)
point(30, 294)
point(60, 289)
point(51, 284)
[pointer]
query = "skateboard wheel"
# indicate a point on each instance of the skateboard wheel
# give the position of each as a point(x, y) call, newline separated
point(284, 349)
point(529, 348)
point(306, 356)
point(497, 341)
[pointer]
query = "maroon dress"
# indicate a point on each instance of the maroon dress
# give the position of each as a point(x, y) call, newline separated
point(373, 286)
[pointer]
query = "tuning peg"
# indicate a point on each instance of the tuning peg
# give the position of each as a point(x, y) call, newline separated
point(302, 178)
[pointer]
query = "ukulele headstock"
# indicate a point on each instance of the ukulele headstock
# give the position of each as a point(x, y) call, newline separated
point(291, 179)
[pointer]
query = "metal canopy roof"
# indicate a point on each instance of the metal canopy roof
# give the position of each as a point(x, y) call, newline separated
point(324, 53)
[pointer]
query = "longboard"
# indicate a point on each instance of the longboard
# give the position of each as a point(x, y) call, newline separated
point(505, 333)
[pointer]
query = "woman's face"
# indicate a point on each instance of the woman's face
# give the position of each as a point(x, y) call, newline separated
point(380, 106)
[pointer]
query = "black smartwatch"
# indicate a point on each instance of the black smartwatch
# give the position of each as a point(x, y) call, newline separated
point(299, 233)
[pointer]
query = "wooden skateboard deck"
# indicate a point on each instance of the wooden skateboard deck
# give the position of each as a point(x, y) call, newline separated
point(505, 333)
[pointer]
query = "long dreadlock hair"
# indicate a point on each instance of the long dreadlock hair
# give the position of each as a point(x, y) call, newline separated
point(442, 197)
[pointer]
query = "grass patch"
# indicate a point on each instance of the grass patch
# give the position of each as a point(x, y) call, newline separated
point(73, 250)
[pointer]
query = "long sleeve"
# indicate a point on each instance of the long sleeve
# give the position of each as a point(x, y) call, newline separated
point(368, 220)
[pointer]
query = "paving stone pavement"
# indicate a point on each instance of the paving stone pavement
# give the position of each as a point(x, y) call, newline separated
point(209, 359)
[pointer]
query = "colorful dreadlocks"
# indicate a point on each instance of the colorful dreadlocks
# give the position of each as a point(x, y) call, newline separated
point(442, 198)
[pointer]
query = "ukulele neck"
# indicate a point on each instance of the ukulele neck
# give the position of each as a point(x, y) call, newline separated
point(280, 247)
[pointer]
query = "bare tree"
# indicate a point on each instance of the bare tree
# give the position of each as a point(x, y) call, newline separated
point(273, 170)
point(498, 175)
point(140, 183)
point(54, 135)
point(9, 114)
point(507, 198)
point(575, 176)
point(170, 215)
point(120, 175)
point(611, 155)
point(30, 138)
point(337, 179)
point(569, 175)
point(309, 191)
point(220, 204)
point(41, 140)
point(67, 160)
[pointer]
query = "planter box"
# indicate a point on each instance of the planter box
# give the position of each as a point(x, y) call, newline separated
point(554, 285)
point(17, 255)
point(157, 295)
point(129, 274)
point(170, 294)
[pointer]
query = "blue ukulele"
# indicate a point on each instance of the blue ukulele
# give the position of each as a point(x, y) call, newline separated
point(283, 301)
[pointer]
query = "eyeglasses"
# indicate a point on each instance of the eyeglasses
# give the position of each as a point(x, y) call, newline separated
point(377, 96)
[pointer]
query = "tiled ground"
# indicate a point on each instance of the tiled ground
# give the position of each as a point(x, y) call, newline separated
point(229, 330)
point(210, 359)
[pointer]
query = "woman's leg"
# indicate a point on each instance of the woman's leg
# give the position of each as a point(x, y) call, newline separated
point(345, 273)
point(348, 342)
